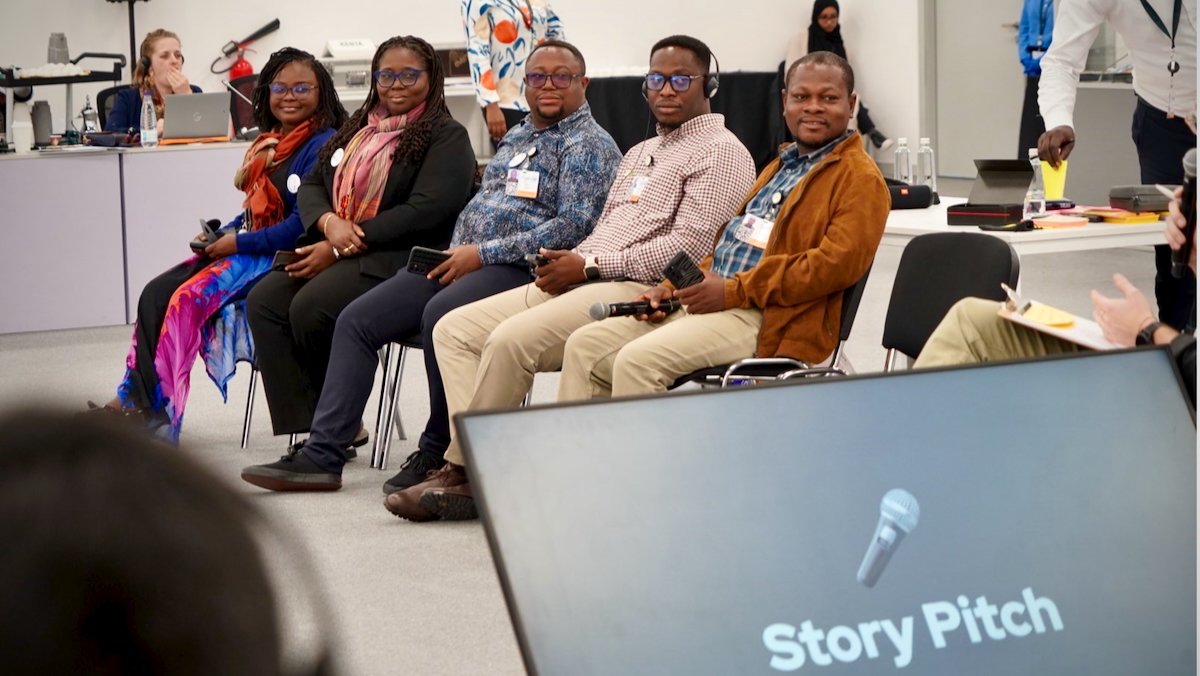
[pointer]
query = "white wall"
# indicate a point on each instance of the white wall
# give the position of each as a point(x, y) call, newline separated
point(748, 35)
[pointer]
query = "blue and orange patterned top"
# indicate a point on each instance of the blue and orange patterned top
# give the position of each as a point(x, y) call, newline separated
point(500, 35)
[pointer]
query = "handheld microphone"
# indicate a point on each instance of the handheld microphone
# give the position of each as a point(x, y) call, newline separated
point(1187, 204)
point(899, 513)
point(641, 307)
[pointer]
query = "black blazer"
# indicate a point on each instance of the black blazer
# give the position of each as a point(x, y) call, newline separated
point(419, 207)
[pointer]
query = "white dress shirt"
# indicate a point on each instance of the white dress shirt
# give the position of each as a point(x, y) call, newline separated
point(1076, 26)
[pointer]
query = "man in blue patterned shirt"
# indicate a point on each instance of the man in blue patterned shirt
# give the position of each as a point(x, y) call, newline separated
point(545, 188)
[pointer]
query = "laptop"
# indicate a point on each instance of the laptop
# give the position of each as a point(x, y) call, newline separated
point(1014, 518)
point(196, 116)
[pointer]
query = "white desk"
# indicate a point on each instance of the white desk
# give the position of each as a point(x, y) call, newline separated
point(64, 263)
point(167, 191)
point(904, 224)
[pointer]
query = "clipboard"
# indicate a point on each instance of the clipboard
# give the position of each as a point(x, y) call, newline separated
point(1084, 332)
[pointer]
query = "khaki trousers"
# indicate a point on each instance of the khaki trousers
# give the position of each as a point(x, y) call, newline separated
point(972, 332)
point(622, 356)
point(489, 351)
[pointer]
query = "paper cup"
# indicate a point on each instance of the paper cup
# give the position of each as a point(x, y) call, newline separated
point(1055, 180)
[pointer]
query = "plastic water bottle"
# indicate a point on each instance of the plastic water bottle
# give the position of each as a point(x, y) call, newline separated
point(903, 166)
point(91, 119)
point(1035, 197)
point(926, 166)
point(149, 122)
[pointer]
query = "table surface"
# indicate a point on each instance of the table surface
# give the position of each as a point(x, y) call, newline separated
point(904, 224)
point(133, 150)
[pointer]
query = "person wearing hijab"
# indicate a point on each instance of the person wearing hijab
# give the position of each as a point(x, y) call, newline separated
point(825, 34)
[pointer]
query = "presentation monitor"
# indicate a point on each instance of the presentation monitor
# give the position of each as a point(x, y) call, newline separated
point(1014, 518)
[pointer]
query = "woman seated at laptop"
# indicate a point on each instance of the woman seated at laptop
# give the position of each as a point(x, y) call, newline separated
point(158, 71)
point(299, 107)
point(394, 177)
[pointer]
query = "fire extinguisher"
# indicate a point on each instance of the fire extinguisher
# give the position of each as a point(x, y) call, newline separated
point(241, 67)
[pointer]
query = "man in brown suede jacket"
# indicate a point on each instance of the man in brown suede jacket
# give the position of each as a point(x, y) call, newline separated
point(773, 285)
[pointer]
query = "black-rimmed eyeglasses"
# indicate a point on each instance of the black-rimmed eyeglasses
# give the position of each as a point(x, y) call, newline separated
point(559, 80)
point(680, 83)
point(407, 77)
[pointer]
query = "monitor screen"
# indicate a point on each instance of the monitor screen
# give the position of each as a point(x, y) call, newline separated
point(1032, 517)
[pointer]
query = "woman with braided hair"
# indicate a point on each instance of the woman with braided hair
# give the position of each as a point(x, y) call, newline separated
point(298, 110)
point(394, 176)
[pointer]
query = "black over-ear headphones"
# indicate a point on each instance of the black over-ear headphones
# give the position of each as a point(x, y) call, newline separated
point(144, 62)
point(712, 82)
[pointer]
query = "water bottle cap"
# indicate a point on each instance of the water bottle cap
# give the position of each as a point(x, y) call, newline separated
point(1033, 153)
point(924, 141)
point(902, 141)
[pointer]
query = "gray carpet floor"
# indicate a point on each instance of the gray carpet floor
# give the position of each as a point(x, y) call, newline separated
point(422, 598)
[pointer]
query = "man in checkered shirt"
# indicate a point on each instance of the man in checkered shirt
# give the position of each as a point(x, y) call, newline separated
point(672, 193)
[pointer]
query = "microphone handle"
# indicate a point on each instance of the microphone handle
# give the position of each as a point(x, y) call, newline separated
point(1179, 259)
point(641, 308)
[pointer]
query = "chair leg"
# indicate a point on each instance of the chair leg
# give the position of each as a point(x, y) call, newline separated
point(386, 354)
point(889, 363)
point(528, 398)
point(379, 459)
point(292, 439)
point(249, 407)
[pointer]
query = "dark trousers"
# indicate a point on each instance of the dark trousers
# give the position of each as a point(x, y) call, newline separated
point(1032, 124)
point(292, 323)
point(1161, 145)
point(403, 305)
point(865, 124)
point(152, 311)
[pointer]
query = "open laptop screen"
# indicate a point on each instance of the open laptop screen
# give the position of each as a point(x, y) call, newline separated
point(1033, 517)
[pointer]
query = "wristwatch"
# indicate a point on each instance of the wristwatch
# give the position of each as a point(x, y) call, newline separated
point(1146, 335)
point(591, 269)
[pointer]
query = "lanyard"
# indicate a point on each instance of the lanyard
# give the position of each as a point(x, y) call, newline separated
point(1170, 34)
point(1172, 65)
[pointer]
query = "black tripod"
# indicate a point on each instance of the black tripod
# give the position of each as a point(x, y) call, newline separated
point(133, 50)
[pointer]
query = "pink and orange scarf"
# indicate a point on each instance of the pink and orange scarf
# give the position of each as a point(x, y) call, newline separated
point(359, 179)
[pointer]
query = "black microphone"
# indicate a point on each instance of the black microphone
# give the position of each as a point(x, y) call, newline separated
point(1187, 204)
point(641, 307)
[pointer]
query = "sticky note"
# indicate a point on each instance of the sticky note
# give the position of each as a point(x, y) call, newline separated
point(1044, 314)
point(1055, 180)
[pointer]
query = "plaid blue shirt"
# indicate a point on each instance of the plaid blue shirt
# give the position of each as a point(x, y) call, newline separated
point(577, 161)
point(733, 254)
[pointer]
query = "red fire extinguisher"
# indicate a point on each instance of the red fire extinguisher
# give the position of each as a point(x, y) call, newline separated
point(241, 67)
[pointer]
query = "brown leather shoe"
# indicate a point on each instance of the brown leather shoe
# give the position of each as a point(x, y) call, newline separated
point(451, 503)
point(406, 504)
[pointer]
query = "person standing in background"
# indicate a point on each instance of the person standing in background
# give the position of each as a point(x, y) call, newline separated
point(500, 36)
point(824, 34)
point(1161, 38)
point(1033, 39)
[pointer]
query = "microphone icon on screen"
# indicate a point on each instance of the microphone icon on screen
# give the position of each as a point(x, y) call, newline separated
point(898, 516)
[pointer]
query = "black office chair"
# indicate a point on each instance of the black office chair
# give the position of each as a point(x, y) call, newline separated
point(935, 272)
point(783, 368)
point(240, 112)
point(105, 101)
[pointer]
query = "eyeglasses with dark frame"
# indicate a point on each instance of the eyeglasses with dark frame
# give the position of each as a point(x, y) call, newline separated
point(407, 77)
point(680, 83)
point(300, 91)
point(559, 80)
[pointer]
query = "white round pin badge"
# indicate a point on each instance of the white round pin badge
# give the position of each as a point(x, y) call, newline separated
point(337, 157)
point(517, 160)
point(776, 198)
point(293, 183)
point(531, 152)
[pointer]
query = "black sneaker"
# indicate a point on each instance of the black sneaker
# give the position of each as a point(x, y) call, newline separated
point(420, 463)
point(293, 472)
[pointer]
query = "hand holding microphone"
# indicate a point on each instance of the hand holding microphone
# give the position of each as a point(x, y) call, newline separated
point(632, 309)
point(1180, 257)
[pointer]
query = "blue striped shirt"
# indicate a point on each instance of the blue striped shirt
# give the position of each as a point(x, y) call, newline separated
point(734, 254)
point(577, 161)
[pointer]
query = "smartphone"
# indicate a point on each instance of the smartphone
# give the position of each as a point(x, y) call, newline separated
point(421, 260)
point(285, 258)
point(682, 271)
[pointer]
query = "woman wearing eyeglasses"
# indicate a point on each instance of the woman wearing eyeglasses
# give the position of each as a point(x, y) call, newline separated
point(299, 109)
point(394, 176)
